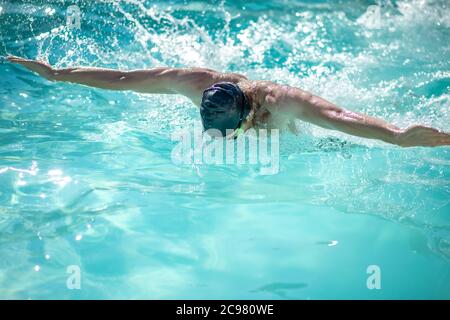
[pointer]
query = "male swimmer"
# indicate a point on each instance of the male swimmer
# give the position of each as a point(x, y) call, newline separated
point(231, 103)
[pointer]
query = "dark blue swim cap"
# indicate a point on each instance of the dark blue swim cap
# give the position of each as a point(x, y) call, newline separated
point(224, 106)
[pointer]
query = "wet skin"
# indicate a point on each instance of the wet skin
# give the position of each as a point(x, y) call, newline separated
point(273, 105)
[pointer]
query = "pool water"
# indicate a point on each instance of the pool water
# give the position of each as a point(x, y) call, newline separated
point(88, 181)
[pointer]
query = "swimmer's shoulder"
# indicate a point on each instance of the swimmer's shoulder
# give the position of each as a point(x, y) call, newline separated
point(233, 77)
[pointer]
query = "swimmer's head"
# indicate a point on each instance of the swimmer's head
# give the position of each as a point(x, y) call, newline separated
point(224, 106)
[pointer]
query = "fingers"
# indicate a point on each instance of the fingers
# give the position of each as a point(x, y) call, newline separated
point(11, 57)
point(424, 136)
point(435, 138)
point(23, 61)
point(15, 59)
point(18, 60)
point(33, 65)
point(443, 139)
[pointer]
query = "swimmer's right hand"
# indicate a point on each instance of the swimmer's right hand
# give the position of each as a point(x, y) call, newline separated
point(40, 67)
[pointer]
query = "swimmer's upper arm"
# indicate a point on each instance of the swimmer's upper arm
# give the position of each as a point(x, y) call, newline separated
point(191, 82)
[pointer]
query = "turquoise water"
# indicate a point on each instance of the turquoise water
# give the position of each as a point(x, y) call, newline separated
point(87, 177)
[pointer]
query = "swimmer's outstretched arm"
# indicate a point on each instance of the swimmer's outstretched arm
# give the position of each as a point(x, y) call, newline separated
point(318, 111)
point(189, 82)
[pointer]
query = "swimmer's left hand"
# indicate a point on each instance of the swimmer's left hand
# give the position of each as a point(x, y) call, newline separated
point(417, 136)
point(40, 67)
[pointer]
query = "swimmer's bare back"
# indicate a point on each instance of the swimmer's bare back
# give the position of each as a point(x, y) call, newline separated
point(281, 102)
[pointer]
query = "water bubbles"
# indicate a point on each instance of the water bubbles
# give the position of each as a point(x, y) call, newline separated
point(56, 176)
point(371, 19)
point(55, 172)
point(121, 153)
point(333, 243)
point(49, 11)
